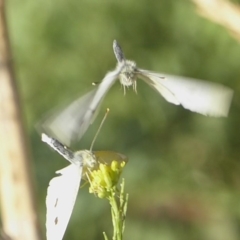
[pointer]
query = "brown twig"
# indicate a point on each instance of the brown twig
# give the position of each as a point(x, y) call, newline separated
point(222, 12)
point(18, 212)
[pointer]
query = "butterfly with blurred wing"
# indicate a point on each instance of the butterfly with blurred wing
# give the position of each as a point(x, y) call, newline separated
point(207, 98)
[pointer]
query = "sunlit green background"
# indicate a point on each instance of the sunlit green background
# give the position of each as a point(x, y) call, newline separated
point(183, 174)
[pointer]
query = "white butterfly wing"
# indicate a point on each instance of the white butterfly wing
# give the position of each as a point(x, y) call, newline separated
point(102, 89)
point(199, 96)
point(71, 123)
point(61, 196)
point(64, 124)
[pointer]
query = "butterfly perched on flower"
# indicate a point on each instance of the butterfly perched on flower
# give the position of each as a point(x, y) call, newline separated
point(62, 190)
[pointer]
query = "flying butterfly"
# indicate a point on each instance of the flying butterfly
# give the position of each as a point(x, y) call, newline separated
point(207, 98)
point(63, 189)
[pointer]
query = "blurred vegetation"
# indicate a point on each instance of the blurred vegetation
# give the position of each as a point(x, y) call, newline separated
point(183, 171)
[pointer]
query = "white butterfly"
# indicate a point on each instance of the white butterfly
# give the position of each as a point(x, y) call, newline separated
point(196, 95)
point(199, 96)
point(63, 189)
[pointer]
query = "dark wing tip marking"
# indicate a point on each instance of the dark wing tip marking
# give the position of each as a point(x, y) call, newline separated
point(55, 205)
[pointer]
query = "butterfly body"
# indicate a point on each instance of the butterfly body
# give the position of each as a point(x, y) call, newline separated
point(87, 158)
point(128, 75)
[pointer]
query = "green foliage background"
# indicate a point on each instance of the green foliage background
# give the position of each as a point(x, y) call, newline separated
point(183, 171)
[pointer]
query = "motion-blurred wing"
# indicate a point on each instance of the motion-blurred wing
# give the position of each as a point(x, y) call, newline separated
point(61, 196)
point(64, 124)
point(102, 89)
point(71, 123)
point(108, 156)
point(203, 97)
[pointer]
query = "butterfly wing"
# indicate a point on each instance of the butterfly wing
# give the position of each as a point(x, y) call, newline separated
point(61, 196)
point(71, 123)
point(102, 89)
point(63, 124)
point(199, 96)
point(108, 156)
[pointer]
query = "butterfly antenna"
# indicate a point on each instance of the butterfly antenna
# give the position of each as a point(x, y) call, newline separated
point(101, 124)
point(118, 52)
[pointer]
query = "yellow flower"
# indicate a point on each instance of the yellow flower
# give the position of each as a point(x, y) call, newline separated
point(104, 179)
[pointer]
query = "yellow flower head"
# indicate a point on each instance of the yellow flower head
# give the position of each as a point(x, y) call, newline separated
point(104, 179)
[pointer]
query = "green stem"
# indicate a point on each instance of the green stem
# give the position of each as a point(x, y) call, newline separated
point(118, 210)
point(117, 224)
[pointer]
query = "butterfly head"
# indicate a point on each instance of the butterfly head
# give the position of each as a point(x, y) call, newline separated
point(128, 75)
point(87, 158)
